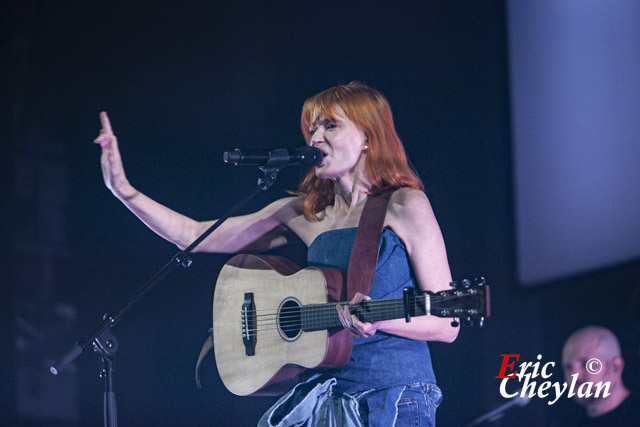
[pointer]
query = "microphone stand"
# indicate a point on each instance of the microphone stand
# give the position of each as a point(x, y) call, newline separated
point(495, 415)
point(106, 344)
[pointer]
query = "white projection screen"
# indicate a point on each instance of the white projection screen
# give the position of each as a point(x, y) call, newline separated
point(575, 111)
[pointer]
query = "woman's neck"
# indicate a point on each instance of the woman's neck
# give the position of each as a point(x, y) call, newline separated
point(351, 190)
point(350, 196)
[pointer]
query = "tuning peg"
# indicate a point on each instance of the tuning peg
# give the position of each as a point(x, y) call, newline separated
point(466, 283)
point(455, 323)
point(481, 322)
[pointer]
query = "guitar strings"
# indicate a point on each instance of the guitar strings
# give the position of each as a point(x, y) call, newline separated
point(374, 307)
point(371, 303)
point(291, 318)
point(322, 310)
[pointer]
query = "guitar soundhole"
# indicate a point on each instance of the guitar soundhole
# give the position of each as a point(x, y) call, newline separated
point(289, 319)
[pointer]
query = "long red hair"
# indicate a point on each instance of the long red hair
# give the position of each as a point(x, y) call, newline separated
point(386, 163)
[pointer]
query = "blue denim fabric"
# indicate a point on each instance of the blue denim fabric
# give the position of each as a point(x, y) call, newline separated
point(315, 403)
point(380, 361)
point(312, 404)
point(417, 405)
point(371, 389)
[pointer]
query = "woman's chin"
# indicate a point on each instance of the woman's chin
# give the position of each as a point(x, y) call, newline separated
point(322, 173)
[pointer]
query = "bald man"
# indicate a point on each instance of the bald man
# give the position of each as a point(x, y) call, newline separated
point(595, 342)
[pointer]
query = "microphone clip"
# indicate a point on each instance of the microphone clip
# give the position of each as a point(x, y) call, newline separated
point(278, 159)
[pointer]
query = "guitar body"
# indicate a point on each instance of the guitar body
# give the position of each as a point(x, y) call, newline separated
point(272, 320)
point(269, 361)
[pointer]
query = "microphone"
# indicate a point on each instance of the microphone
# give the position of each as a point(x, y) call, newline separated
point(302, 156)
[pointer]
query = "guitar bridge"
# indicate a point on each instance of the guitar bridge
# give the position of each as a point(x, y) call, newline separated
point(248, 316)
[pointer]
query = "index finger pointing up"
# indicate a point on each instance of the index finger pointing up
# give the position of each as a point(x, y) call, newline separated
point(106, 124)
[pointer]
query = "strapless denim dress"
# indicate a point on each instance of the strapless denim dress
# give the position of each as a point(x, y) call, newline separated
point(384, 374)
point(383, 360)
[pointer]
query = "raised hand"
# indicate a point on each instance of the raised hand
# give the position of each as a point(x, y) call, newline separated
point(111, 162)
point(351, 323)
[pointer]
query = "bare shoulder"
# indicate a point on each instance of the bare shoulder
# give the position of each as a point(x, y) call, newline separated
point(410, 215)
point(409, 205)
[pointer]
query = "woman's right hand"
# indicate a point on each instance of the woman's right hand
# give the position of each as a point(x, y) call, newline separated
point(111, 162)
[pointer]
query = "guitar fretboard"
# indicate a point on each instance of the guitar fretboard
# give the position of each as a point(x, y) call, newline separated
point(316, 317)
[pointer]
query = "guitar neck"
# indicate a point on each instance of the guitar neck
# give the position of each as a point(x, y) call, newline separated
point(325, 316)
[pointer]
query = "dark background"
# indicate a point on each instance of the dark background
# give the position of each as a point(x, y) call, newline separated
point(182, 83)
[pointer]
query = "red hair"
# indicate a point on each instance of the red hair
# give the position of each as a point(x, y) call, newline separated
point(386, 163)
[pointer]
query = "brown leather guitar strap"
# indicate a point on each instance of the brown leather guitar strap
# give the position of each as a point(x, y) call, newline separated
point(364, 254)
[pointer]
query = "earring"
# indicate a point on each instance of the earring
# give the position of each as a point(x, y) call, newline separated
point(365, 147)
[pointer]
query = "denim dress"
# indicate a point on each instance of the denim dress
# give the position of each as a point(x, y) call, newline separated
point(388, 380)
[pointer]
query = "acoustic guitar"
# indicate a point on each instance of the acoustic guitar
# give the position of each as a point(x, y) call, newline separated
point(273, 320)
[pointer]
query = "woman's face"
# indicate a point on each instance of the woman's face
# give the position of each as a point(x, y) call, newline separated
point(341, 141)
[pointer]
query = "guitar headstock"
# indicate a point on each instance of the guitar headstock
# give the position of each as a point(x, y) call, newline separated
point(467, 300)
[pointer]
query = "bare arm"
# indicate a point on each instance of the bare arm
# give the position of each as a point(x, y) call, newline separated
point(262, 230)
point(411, 217)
